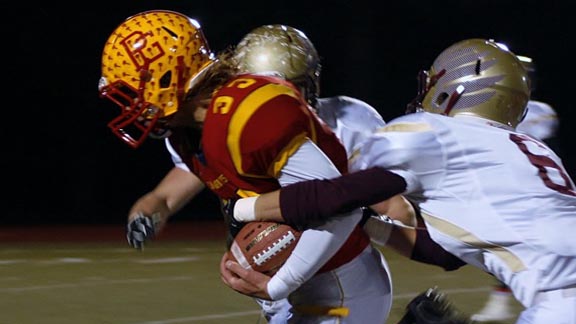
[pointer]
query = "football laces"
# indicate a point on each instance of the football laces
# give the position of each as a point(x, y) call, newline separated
point(276, 247)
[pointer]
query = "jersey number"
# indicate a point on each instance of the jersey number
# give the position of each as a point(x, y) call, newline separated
point(543, 163)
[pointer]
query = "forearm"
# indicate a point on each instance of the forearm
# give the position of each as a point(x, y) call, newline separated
point(315, 247)
point(402, 235)
point(267, 207)
point(309, 201)
point(317, 200)
point(427, 251)
point(175, 190)
point(150, 204)
point(408, 235)
point(402, 240)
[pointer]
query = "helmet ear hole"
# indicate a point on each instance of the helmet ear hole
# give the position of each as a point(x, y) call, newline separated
point(441, 98)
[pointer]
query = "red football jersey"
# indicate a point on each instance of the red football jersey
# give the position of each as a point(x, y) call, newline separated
point(252, 126)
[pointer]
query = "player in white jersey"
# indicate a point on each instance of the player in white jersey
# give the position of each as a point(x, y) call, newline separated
point(494, 197)
point(541, 122)
point(281, 49)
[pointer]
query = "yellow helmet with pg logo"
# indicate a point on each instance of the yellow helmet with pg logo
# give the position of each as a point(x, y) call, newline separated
point(149, 62)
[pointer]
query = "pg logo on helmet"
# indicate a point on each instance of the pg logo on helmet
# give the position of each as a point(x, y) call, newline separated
point(139, 51)
point(148, 64)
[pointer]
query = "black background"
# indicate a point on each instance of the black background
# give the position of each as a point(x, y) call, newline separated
point(61, 164)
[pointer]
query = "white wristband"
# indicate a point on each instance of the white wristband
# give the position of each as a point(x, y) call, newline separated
point(245, 209)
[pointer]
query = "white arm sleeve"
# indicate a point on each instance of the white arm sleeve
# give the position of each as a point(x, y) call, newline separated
point(176, 159)
point(316, 246)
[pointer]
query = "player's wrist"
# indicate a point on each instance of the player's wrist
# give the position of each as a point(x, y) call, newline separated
point(245, 209)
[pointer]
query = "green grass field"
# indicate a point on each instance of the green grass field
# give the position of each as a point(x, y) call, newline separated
point(171, 281)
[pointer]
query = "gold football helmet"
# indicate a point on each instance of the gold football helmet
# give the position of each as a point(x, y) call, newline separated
point(530, 67)
point(528, 64)
point(479, 78)
point(284, 50)
point(148, 64)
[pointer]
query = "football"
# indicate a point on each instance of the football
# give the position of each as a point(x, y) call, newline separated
point(264, 246)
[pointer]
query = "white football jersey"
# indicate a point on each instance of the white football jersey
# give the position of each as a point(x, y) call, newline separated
point(541, 120)
point(496, 198)
point(352, 120)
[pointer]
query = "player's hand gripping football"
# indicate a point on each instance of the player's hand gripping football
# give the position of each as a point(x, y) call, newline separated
point(244, 281)
point(140, 229)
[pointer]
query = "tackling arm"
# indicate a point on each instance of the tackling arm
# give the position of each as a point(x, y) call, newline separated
point(316, 245)
point(316, 200)
point(410, 240)
point(408, 234)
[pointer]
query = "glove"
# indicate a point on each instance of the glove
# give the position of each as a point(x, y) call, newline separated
point(432, 307)
point(141, 229)
point(234, 226)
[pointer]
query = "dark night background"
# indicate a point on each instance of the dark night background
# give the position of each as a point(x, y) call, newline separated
point(62, 165)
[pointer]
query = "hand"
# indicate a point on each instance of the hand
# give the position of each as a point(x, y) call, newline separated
point(244, 281)
point(140, 229)
point(432, 306)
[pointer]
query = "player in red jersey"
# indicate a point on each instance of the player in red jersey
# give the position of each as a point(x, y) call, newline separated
point(258, 133)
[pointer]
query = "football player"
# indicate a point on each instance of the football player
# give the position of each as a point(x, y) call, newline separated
point(494, 197)
point(541, 122)
point(256, 132)
point(287, 52)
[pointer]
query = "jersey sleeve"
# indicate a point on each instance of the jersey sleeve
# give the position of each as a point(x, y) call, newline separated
point(352, 120)
point(317, 245)
point(176, 158)
point(400, 146)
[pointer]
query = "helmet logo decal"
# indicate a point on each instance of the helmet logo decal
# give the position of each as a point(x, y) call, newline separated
point(147, 64)
point(141, 55)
